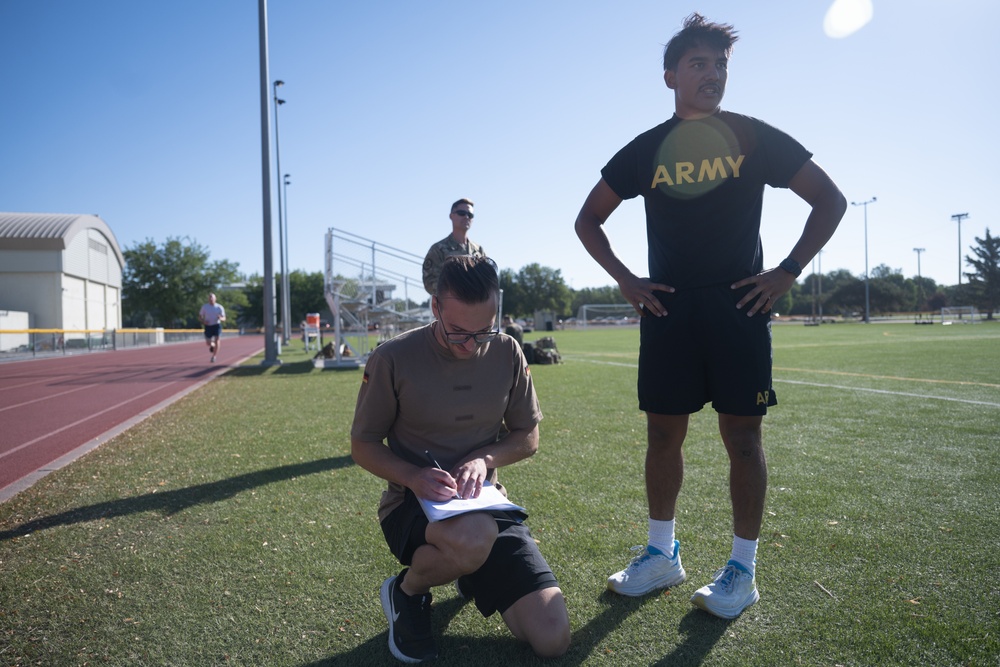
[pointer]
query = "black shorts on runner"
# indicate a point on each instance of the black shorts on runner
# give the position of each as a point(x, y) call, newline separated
point(514, 568)
point(705, 350)
point(212, 331)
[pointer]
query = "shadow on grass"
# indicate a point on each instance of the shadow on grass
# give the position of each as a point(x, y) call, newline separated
point(201, 372)
point(701, 632)
point(295, 368)
point(586, 639)
point(248, 371)
point(374, 652)
point(256, 370)
point(171, 502)
point(453, 649)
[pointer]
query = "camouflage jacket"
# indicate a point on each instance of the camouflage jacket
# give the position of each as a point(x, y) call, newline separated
point(441, 251)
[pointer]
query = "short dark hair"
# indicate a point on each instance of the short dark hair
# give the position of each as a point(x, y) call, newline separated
point(461, 201)
point(468, 279)
point(698, 31)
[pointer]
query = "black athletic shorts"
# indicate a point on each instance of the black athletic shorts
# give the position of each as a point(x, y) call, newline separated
point(705, 350)
point(212, 331)
point(514, 568)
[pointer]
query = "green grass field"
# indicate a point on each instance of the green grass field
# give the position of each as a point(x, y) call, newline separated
point(234, 528)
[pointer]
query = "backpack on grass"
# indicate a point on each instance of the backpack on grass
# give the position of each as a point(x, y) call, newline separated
point(546, 352)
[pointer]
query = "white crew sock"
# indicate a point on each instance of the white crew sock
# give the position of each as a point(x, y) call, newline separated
point(661, 536)
point(745, 553)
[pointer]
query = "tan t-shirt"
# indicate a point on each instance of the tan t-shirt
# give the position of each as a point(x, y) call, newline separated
point(415, 396)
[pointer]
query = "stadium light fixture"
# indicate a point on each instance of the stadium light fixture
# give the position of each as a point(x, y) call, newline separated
point(270, 342)
point(958, 217)
point(285, 279)
point(865, 205)
point(285, 325)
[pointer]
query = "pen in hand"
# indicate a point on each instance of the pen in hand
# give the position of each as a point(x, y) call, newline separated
point(430, 459)
point(434, 463)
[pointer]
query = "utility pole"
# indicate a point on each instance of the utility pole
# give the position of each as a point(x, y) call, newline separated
point(918, 251)
point(819, 286)
point(958, 217)
point(285, 324)
point(865, 204)
point(814, 290)
point(270, 344)
point(920, 284)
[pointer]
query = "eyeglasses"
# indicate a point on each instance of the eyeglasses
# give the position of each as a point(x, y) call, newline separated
point(465, 214)
point(481, 337)
point(456, 338)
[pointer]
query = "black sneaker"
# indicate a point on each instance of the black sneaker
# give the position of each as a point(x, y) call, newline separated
point(409, 617)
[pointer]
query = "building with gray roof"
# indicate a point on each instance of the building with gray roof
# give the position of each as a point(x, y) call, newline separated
point(64, 270)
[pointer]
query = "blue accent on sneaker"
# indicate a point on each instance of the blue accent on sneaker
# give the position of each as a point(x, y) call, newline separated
point(650, 570)
point(738, 566)
point(732, 590)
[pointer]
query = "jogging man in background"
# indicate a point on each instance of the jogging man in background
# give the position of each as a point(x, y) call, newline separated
point(211, 316)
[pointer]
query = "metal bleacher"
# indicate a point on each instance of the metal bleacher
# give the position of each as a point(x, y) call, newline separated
point(374, 292)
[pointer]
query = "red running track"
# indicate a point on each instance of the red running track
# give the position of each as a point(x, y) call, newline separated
point(56, 409)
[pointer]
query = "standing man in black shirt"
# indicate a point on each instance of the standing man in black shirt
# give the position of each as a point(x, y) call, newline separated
point(705, 307)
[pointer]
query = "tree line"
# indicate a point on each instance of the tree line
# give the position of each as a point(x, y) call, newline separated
point(165, 284)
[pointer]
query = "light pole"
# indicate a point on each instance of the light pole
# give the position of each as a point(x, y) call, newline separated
point(819, 286)
point(286, 313)
point(281, 236)
point(958, 217)
point(920, 285)
point(814, 293)
point(865, 204)
point(270, 344)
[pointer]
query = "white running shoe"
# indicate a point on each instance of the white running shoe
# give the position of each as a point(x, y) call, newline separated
point(650, 570)
point(733, 590)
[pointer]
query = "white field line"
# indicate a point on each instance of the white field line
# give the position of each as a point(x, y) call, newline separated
point(837, 386)
point(894, 393)
point(17, 448)
point(888, 377)
point(84, 387)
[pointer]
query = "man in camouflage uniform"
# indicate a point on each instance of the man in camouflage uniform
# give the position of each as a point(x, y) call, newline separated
point(513, 329)
point(456, 243)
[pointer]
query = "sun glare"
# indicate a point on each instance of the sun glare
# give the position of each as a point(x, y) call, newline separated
point(846, 17)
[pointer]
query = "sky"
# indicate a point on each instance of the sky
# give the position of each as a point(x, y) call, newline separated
point(148, 114)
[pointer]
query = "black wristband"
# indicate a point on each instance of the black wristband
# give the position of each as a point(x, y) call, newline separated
point(790, 265)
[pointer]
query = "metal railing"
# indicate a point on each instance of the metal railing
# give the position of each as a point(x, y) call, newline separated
point(24, 343)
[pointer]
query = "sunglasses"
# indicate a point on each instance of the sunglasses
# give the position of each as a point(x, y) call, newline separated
point(465, 214)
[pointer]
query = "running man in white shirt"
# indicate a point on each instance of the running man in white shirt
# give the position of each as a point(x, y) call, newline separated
point(212, 315)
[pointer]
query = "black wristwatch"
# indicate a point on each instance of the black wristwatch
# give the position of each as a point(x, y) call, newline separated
point(790, 265)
